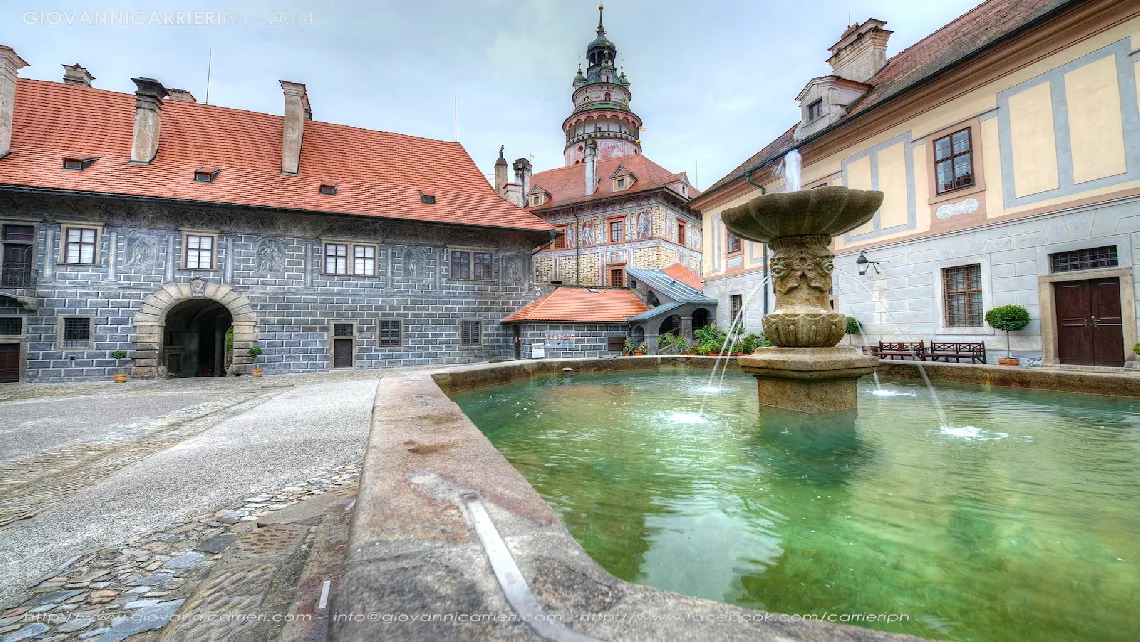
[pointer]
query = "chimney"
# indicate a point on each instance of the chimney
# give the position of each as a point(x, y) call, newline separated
point(77, 75)
point(10, 65)
point(591, 163)
point(297, 111)
point(501, 174)
point(148, 119)
point(180, 96)
point(522, 176)
point(861, 51)
point(513, 193)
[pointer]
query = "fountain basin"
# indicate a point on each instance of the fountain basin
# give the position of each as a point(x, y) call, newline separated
point(828, 211)
point(811, 380)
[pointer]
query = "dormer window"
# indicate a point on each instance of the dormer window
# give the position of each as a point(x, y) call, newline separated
point(78, 163)
point(535, 200)
point(815, 110)
point(427, 198)
point(327, 188)
point(206, 174)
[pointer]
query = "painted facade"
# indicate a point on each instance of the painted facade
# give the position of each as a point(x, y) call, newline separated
point(1017, 163)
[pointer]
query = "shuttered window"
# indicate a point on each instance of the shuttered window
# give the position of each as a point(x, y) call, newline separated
point(470, 333)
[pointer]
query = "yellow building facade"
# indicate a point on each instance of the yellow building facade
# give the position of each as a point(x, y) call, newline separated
point(1011, 169)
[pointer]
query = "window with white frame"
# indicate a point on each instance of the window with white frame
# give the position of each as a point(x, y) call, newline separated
point(364, 260)
point(200, 250)
point(343, 259)
point(79, 245)
point(471, 265)
point(336, 258)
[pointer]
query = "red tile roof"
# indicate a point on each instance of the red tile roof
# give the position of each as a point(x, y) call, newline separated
point(378, 174)
point(567, 185)
point(582, 305)
point(978, 28)
point(686, 276)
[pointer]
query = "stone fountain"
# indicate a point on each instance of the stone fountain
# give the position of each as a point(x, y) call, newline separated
point(805, 371)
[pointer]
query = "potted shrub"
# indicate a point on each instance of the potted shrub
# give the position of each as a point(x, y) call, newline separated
point(627, 348)
point(119, 355)
point(254, 353)
point(1008, 318)
point(640, 350)
point(854, 328)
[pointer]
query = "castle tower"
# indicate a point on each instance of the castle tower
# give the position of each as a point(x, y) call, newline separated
point(601, 106)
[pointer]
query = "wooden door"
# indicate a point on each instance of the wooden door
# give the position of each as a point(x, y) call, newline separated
point(1107, 323)
point(1090, 330)
point(9, 362)
point(342, 353)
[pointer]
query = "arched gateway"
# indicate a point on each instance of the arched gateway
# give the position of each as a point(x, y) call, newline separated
point(202, 313)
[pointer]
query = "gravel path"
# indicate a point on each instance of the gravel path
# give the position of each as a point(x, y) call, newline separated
point(287, 437)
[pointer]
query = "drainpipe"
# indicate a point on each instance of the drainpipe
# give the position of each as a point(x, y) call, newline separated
point(764, 265)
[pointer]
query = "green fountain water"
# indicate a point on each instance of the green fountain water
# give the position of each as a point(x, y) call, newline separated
point(1018, 522)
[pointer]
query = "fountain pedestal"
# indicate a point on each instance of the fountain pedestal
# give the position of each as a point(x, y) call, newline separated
point(814, 380)
point(805, 371)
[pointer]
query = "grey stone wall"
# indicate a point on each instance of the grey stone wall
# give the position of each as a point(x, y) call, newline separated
point(274, 259)
point(569, 340)
point(750, 286)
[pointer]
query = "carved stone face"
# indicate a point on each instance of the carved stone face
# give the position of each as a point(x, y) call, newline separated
point(799, 262)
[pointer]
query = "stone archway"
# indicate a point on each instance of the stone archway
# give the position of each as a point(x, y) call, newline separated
point(150, 321)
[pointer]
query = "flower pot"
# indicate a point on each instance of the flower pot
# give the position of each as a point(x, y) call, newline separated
point(120, 378)
point(638, 353)
point(1009, 362)
point(255, 372)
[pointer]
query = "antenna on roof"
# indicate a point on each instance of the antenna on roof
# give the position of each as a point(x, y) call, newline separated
point(455, 115)
point(209, 68)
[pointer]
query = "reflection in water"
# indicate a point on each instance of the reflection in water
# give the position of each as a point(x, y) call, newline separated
point(1015, 522)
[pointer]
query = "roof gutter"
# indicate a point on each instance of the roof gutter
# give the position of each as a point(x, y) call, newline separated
point(925, 80)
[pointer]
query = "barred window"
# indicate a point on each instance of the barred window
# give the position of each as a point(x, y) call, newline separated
point(343, 330)
point(733, 244)
point(390, 333)
point(11, 326)
point(460, 265)
point(80, 246)
point(1087, 259)
point(482, 271)
point(470, 333)
point(76, 332)
point(962, 289)
point(336, 258)
point(364, 260)
point(199, 252)
point(737, 303)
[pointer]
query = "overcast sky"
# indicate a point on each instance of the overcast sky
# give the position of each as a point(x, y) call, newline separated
point(713, 81)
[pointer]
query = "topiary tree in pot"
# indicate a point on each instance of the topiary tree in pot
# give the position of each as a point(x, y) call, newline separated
point(1008, 318)
point(853, 328)
point(254, 353)
point(119, 355)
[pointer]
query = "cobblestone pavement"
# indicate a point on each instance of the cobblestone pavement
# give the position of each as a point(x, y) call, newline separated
point(242, 437)
point(138, 586)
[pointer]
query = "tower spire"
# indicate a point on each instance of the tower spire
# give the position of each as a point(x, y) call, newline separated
point(601, 29)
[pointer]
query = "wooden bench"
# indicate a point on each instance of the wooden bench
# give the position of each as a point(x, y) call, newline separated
point(975, 352)
point(900, 350)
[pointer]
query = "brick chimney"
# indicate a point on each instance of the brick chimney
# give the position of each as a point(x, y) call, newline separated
point(10, 65)
point(77, 75)
point(501, 174)
point(861, 51)
point(148, 119)
point(590, 160)
point(297, 111)
point(522, 176)
point(180, 96)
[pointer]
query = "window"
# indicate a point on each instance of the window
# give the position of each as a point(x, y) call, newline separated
point(1088, 259)
point(535, 200)
point(344, 330)
point(427, 199)
point(953, 161)
point(206, 175)
point(617, 231)
point(79, 245)
point(364, 260)
point(606, 96)
point(16, 270)
point(483, 270)
point(560, 240)
point(19, 233)
point(615, 342)
point(962, 289)
point(390, 333)
point(733, 243)
point(328, 189)
point(681, 232)
point(460, 265)
point(470, 333)
point(815, 110)
point(467, 265)
point(11, 326)
point(736, 304)
point(199, 254)
point(78, 164)
point(76, 333)
point(617, 277)
point(621, 183)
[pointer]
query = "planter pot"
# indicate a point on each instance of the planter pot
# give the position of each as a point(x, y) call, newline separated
point(1009, 362)
point(255, 372)
point(120, 378)
point(638, 353)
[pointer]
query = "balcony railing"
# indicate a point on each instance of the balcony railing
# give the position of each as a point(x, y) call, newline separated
point(17, 276)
